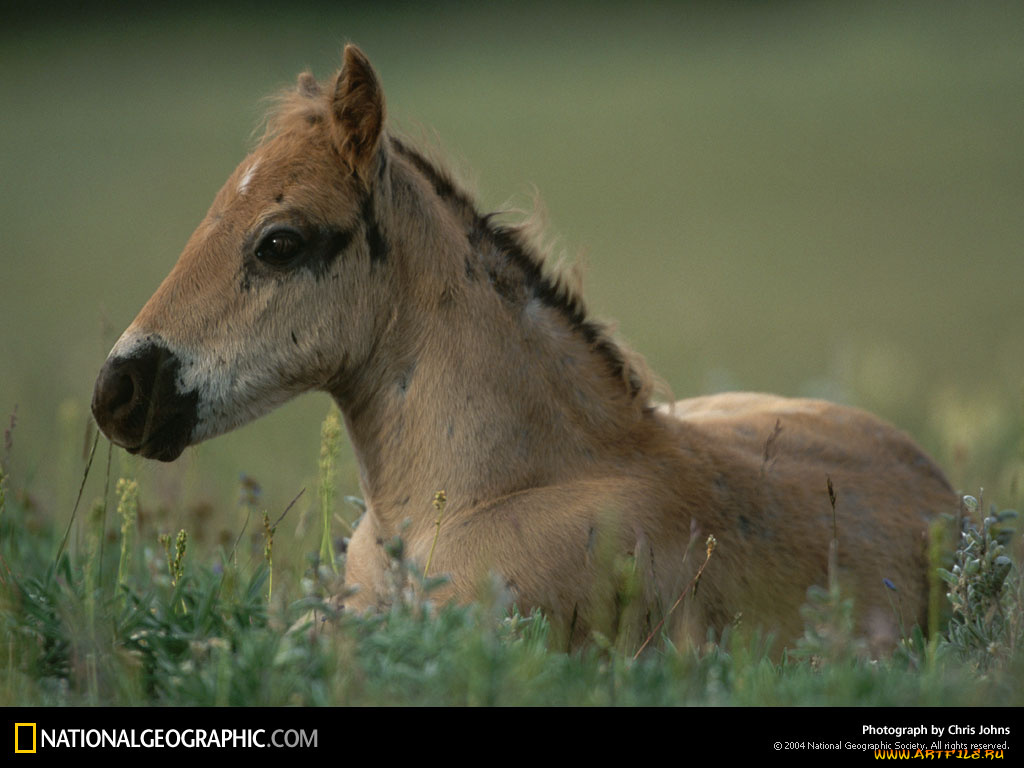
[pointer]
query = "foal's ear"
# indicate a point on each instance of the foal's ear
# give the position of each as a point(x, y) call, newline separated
point(358, 112)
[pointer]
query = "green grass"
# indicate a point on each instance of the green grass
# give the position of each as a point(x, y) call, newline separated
point(123, 617)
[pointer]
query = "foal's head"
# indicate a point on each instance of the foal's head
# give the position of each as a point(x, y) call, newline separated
point(277, 292)
point(325, 259)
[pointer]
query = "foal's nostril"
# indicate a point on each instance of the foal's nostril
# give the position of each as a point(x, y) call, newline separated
point(121, 392)
point(115, 389)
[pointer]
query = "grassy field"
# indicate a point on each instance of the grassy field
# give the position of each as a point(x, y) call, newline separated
point(812, 199)
point(126, 617)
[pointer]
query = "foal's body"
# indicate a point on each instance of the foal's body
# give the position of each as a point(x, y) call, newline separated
point(338, 258)
point(750, 469)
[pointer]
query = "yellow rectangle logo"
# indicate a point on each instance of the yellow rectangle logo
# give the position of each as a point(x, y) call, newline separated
point(17, 736)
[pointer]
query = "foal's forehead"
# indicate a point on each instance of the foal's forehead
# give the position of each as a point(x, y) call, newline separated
point(287, 169)
point(245, 173)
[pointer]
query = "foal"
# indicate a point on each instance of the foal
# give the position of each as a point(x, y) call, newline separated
point(339, 258)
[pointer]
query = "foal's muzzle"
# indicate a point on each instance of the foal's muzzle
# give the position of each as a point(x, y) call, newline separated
point(138, 406)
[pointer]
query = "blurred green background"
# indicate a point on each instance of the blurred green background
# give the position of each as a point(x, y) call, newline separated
point(819, 199)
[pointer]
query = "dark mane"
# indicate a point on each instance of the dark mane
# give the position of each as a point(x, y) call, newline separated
point(505, 249)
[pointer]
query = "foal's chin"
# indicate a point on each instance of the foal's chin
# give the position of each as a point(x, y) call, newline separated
point(160, 447)
point(163, 442)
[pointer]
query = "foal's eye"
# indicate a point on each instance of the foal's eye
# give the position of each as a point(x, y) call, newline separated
point(280, 247)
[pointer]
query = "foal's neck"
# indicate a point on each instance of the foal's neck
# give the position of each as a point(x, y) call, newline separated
point(482, 395)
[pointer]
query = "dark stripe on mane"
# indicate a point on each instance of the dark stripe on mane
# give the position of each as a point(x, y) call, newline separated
point(442, 183)
point(501, 246)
